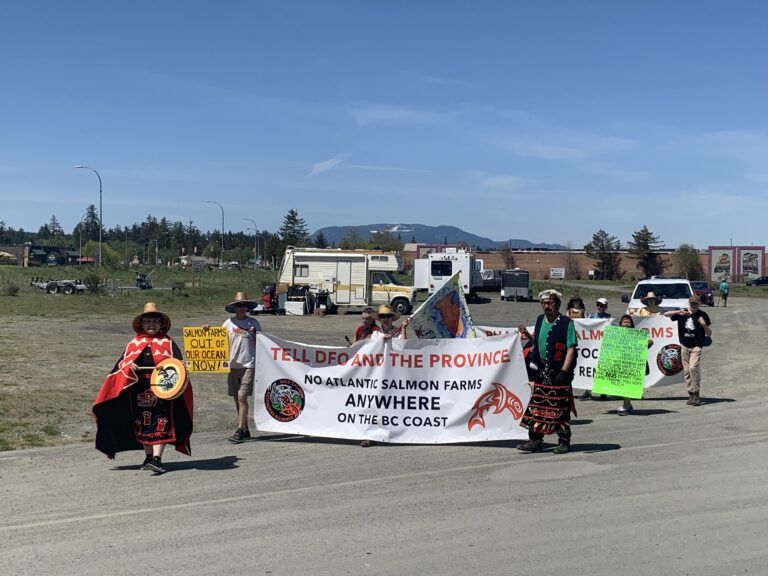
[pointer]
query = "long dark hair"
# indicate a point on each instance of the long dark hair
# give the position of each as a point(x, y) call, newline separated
point(631, 320)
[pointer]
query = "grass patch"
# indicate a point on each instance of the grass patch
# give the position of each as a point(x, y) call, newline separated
point(32, 441)
point(50, 430)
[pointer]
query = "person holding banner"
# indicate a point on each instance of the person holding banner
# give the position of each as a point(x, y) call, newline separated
point(694, 333)
point(131, 413)
point(368, 327)
point(576, 308)
point(241, 333)
point(552, 360)
point(387, 316)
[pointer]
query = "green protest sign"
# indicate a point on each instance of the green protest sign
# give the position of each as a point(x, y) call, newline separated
point(620, 369)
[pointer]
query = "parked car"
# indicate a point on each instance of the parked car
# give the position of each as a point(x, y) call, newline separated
point(759, 281)
point(704, 291)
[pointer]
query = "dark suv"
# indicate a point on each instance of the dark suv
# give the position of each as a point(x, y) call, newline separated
point(704, 291)
point(759, 281)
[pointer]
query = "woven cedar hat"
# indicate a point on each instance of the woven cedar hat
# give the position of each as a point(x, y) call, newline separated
point(240, 298)
point(386, 310)
point(151, 308)
point(650, 296)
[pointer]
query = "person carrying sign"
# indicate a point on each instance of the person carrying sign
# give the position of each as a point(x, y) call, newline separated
point(129, 413)
point(552, 361)
point(626, 406)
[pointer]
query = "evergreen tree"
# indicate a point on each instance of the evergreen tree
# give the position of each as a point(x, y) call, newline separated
point(604, 251)
point(644, 246)
point(321, 241)
point(294, 231)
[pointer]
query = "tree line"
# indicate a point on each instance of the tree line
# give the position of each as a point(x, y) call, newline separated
point(170, 240)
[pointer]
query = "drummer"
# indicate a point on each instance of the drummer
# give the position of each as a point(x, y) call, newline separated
point(129, 416)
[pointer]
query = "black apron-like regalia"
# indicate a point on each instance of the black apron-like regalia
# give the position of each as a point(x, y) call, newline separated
point(551, 404)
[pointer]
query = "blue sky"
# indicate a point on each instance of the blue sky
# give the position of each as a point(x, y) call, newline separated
point(510, 119)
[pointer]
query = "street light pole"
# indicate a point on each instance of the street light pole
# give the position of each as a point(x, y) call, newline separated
point(101, 218)
point(221, 259)
point(255, 241)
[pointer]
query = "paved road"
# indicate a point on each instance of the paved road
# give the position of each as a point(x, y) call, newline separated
point(672, 490)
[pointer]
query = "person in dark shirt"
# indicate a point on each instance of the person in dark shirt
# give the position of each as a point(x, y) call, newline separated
point(694, 333)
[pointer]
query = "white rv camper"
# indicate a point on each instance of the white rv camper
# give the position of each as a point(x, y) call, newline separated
point(436, 269)
point(348, 277)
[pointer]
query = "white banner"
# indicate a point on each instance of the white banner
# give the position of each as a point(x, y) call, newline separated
point(409, 391)
point(664, 356)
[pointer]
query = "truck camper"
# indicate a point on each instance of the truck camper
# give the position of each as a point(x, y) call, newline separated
point(436, 269)
point(347, 277)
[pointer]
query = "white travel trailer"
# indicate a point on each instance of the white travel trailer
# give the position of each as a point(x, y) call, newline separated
point(436, 269)
point(348, 277)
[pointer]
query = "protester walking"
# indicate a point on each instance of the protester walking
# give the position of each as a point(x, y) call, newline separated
point(129, 415)
point(241, 333)
point(602, 309)
point(368, 327)
point(552, 361)
point(724, 289)
point(575, 308)
point(694, 333)
point(626, 406)
point(650, 305)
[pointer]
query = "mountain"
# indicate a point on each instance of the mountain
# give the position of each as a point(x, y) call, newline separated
point(430, 235)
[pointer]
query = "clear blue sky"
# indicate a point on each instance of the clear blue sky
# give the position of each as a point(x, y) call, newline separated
point(536, 120)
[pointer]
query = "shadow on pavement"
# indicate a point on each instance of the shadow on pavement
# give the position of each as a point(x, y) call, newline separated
point(646, 412)
point(223, 463)
point(705, 401)
point(590, 448)
point(581, 422)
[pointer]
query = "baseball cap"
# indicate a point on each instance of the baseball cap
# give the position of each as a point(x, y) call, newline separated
point(602, 301)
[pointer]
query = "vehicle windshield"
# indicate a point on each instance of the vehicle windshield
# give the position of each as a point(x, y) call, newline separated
point(668, 291)
point(700, 285)
point(384, 278)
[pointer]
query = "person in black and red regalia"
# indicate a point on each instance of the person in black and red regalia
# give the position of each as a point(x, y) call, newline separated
point(551, 364)
point(129, 416)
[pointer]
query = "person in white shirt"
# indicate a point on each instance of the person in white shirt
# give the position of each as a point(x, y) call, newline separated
point(241, 331)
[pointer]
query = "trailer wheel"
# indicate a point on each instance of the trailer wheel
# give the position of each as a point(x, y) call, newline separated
point(68, 289)
point(401, 305)
point(52, 288)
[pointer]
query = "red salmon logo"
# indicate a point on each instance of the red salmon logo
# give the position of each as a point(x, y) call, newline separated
point(499, 399)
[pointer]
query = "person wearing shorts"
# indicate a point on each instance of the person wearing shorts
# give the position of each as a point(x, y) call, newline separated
point(241, 331)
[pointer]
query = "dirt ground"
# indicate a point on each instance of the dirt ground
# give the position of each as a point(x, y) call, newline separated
point(50, 370)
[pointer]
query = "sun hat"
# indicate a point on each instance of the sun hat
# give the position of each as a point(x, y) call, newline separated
point(150, 308)
point(650, 296)
point(240, 298)
point(386, 311)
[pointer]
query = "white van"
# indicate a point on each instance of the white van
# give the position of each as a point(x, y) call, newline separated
point(674, 293)
point(348, 277)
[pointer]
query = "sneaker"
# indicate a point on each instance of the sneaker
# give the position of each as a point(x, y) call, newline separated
point(562, 448)
point(238, 436)
point(245, 433)
point(530, 446)
point(155, 465)
point(586, 396)
point(366, 443)
point(690, 399)
point(147, 460)
point(624, 410)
